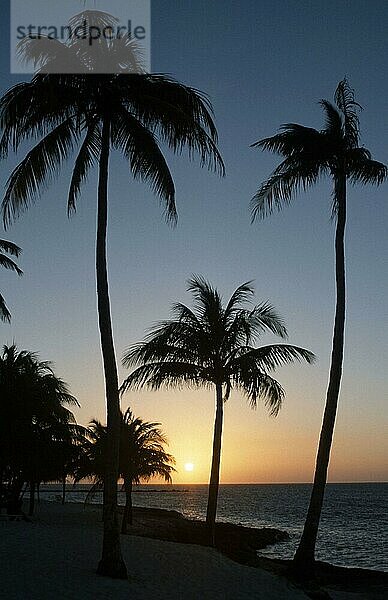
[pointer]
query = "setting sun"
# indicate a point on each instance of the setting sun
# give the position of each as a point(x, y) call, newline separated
point(189, 467)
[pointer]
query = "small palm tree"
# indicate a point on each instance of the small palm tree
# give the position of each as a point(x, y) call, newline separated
point(8, 263)
point(69, 104)
point(212, 345)
point(142, 457)
point(308, 155)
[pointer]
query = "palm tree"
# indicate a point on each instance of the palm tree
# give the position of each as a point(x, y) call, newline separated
point(212, 345)
point(129, 112)
point(142, 456)
point(34, 420)
point(8, 263)
point(308, 155)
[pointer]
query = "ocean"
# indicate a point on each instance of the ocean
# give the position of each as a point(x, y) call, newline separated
point(354, 524)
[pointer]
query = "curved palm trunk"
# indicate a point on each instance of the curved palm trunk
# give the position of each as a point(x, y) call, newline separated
point(128, 513)
point(111, 563)
point(305, 554)
point(215, 469)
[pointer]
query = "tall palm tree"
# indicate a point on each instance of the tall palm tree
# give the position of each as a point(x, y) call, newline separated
point(212, 345)
point(142, 457)
point(8, 263)
point(129, 112)
point(308, 155)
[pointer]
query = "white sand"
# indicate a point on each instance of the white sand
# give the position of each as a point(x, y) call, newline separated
point(55, 557)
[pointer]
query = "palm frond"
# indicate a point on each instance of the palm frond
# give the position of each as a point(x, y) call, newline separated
point(31, 110)
point(86, 159)
point(362, 169)
point(292, 139)
point(264, 317)
point(10, 248)
point(8, 263)
point(207, 301)
point(242, 294)
point(282, 187)
point(147, 162)
point(181, 115)
point(344, 99)
point(333, 120)
point(47, 55)
point(96, 18)
point(168, 374)
point(39, 166)
point(5, 261)
point(185, 314)
point(168, 340)
point(258, 385)
point(269, 358)
point(5, 315)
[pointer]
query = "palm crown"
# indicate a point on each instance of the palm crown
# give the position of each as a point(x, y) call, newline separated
point(142, 456)
point(213, 344)
point(142, 450)
point(68, 107)
point(309, 153)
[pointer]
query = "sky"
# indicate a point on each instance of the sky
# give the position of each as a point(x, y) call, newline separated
point(263, 64)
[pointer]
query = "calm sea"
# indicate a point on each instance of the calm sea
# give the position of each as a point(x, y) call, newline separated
point(354, 525)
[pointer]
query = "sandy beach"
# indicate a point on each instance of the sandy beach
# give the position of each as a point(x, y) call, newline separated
point(55, 556)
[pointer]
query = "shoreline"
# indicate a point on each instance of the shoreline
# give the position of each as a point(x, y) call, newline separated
point(56, 556)
point(157, 530)
point(241, 544)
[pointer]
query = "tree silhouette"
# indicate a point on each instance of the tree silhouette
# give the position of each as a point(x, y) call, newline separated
point(8, 263)
point(35, 422)
point(142, 456)
point(70, 103)
point(308, 155)
point(212, 345)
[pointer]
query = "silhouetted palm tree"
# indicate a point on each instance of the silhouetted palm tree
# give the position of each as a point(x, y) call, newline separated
point(8, 263)
point(142, 456)
point(34, 420)
point(128, 112)
point(308, 155)
point(212, 345)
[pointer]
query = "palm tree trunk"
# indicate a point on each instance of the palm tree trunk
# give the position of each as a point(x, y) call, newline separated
point(127, 516)
point(305, 555)
point(215, 469)
point(111, 563)
point(64, 488)
point(32, 499)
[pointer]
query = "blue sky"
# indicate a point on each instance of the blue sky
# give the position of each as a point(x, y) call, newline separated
point(263, 64)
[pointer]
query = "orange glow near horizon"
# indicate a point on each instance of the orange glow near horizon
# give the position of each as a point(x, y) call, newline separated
point(257, 448)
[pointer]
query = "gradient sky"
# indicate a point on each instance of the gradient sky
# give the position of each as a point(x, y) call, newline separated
point(263, 64)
